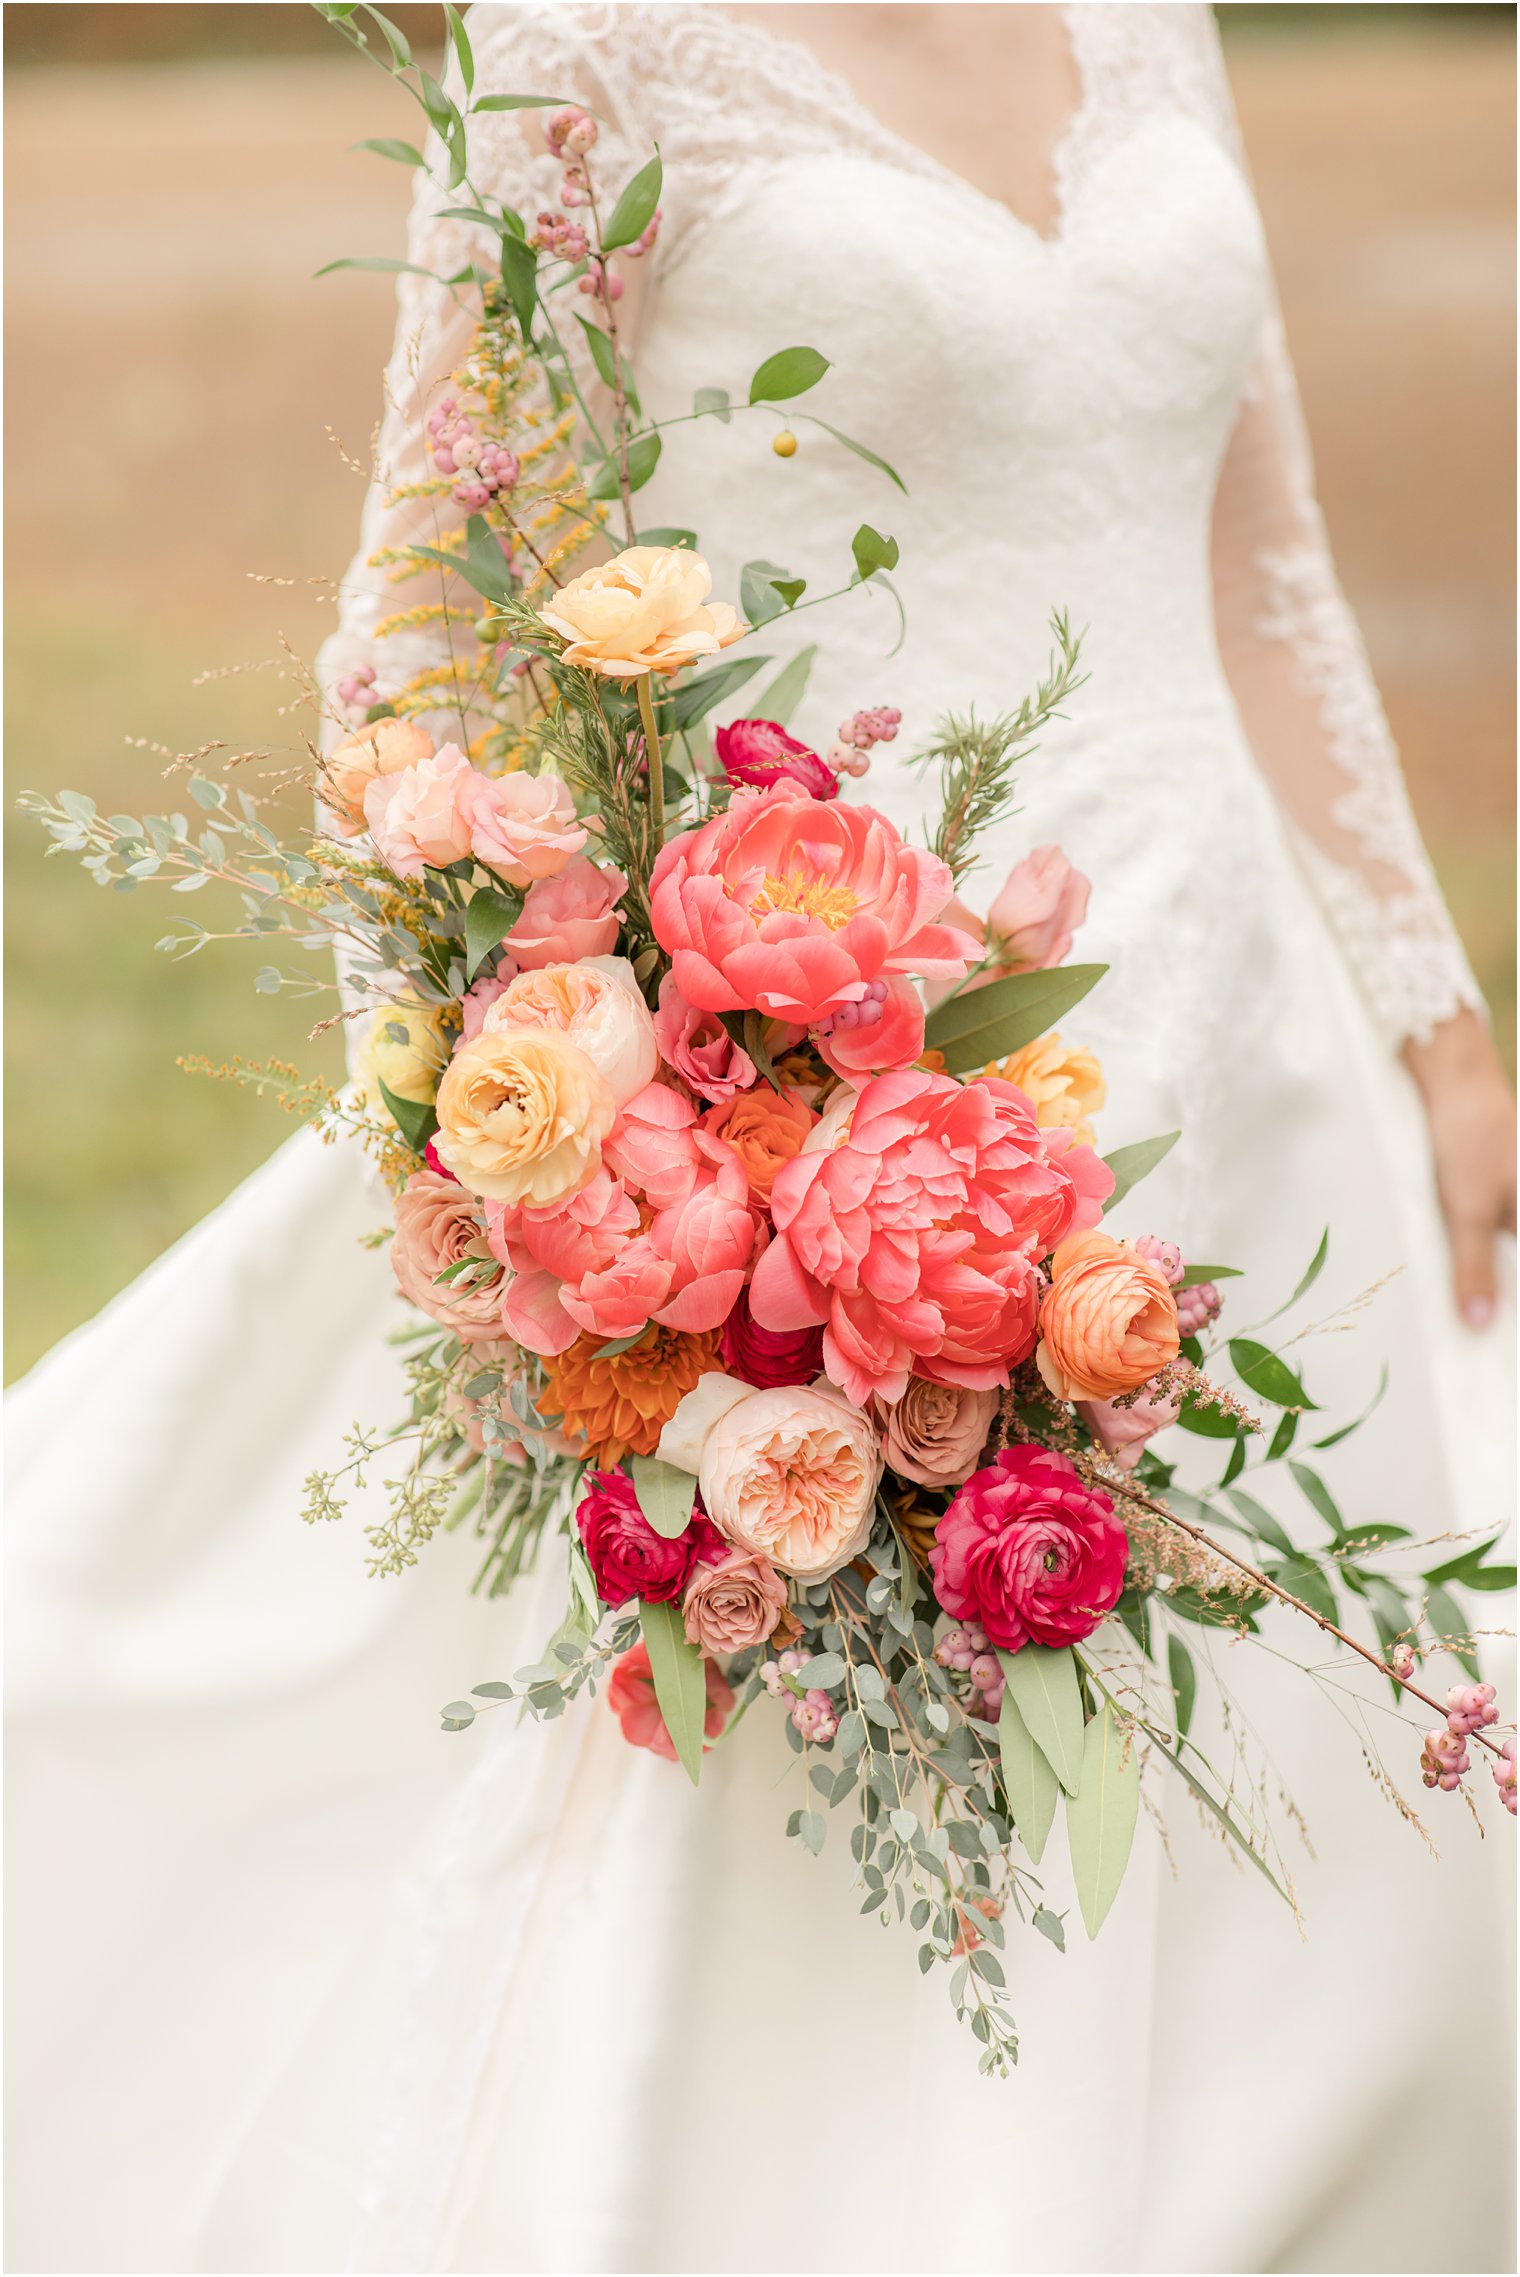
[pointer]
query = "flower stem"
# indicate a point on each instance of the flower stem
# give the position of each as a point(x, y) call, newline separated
point(655, 759)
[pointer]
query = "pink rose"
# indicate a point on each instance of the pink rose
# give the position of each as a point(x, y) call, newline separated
point(521, 826)
point(883, 1031)
point(913, 1239)
point(699, 1047)
point(568, 917)
point(766, 1357)
point(729, 1607)
point(631, 1697)
point(791, 906)
point(1029, 1552)
point(383, 747)
point(419, 817)
point(935, 1433)
point(627, 1557)
point(1124, 1431)
point(754, 753)
point(438, 1225)
point(1039, 908)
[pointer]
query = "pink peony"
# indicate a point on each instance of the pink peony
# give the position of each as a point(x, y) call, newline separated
point(883, 1031)
point(754, 753)
point(1039, 908)
point(438, 1225)
point(627, 1557)
point(1030, 1552)
point(521, 826)
point(792, 906)
point(766, 1357)
point(568, 917)
point(913, 1239)
point(631, 1697)
point(699, 1048)
point(419, 818)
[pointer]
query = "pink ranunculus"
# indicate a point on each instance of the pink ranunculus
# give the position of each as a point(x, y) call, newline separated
point(914, 1239)
point(653, 1146)
point(438, 1224)
point(754, 753)
point(1041, 904)
point(1124, 1431)
point(627, 1557)
point(767, 1357)
point(568, 917)
point(883, 1031)
point(521, 826)
point(1030, 1552)
point(481, 995)
point(699, 1048)
point(631, 1697)
point(419, 818)
point(791, 906)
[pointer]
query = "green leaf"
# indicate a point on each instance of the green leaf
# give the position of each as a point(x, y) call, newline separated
point(1050, 1925)
point(1100, 1818)
point(487, 918)
point(983, 1024)
point(395, 38)
point(635, 208)
point(1305, 1579)
point(481, 564)
point(1488, 1577)
point(1262, 1372)
point(1447, 1622)
point(680, 1681)
point(519, 280)
point(1184, 1676)
point(1318, 1496)
point(1045, 1691)
point(379, 261)
point(758, 598)
point(643, 458)
point(415, 1119)
point(698, 697)
point(1262, 1522)
point(1333, 1438)
point(871, 458)
point(386, 146)
point(1315, 1267)
point(1130, 1164)
point(780, 698)
point(1191, 1779)
point(666, 1495)
point(791, 589)
point(458, 1716)
point(712, 403)
point(668, 535)
point(1236, 1463)
point(1196, 1275)
point(872, 551)
point(524, 103)
point(1462, 1568)
point(461, 41)
point(601, 352)
point(621, 1344)
point(1283, 1436)
point(792, 371)
point(1028, 1781)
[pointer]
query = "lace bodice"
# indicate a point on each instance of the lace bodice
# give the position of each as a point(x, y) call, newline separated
point(1127, 376)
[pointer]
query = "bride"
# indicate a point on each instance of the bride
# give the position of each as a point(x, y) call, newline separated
point(299, 1983)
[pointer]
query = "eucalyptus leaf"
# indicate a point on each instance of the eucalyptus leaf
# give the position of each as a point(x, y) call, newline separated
point(791, 371)
point(1130, 1164)
point(1028, 1780)
point(680, 1681)
point(666, 1495)
point(984, 1024)
point(1100, 1818)
point(387, 146)
point(1046, 1693)
point(458, 1715)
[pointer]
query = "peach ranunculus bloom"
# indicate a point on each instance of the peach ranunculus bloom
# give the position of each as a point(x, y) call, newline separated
point(765, 1128)
point(792, 907)
point(596, 1004)
point(1062, 1082)
point(382, 748)
point(790, 1473)
point(522, 1113)
point(1040, 906)
point(568, 917)
point(523, 827)
point(1108, 1322)
point(935, 1433)
point(646, 610)
point(729, 1607)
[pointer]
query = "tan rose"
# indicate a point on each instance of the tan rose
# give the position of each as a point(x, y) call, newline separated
point(1108, 1322)
point(646, 610)
point(935, 1432)
point(438, 1225)
point(385, 747)
point(1062, 1082)
point(522, 1115)
point(405, 1047)
point(731, 1606)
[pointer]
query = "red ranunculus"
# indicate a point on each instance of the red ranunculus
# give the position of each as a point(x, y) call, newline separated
point(769, 1357)
point(627, 1557)
point(630, 1696)
point(1030, 1552)
point(755, 753)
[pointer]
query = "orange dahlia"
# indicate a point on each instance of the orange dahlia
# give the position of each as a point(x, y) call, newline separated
point(620, 1402)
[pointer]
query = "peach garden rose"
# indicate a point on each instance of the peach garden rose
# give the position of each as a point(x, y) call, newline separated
point(790, 1474)
point(646, 610)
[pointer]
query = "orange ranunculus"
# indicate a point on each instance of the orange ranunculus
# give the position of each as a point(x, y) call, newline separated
point(619, 1403)
point(1108, 1322)
point(1062, 1082)
point(646, 610)
point(765, 1128)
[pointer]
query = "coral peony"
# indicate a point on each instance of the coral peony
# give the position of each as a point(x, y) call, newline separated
point(734, 1604)
point(630, 1696)
point(646, 610)
point(1108, 1321)
point(754, 753)
point(616, 1404)
point(385, 747)
point(626, 1556)
point(699, 1048)
point(792, 907)
point(521, 826)
point(765, 1129)
point(1030, 1552)
point(438, 1225)
point(1040, 906)
point(791, 1474)
point(913, 1237)
point(568, 917)
point(521, 1116)
point(1062, 1082)
point(766, 1357)
point(935, 1433)
point(885, 1030)
point(598, 1006)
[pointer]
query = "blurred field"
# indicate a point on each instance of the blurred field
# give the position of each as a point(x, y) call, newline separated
point(171, 371)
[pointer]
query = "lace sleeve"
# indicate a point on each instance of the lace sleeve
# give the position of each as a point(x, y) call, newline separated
point(1310, 706)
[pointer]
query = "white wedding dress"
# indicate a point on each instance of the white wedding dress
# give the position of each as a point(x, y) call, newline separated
point(298, 1983)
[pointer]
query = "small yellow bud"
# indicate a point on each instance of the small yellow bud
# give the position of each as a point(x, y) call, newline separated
point(785, 444)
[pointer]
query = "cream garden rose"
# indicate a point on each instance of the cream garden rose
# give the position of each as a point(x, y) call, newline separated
point(598, 1005)
point(1062, 1082)
point(522, 1114)
point(790, 1473)
point(646, 610)
point(384, 747)
point(405, 1047)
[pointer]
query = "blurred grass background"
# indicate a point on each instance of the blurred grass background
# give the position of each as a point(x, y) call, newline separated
point(176, 173)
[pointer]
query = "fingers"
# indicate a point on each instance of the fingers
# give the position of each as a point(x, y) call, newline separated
point(1473, 1276)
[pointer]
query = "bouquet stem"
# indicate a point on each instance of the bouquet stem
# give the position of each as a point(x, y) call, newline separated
point(656, 762)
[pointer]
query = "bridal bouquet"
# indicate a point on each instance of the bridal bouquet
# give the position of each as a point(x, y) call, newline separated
point(747, 1202)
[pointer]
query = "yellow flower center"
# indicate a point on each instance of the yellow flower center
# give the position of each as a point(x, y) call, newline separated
point(833, 906)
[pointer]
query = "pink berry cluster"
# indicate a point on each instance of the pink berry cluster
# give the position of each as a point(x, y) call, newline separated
point(867, 1013)
point(814, 1715)
point(600, 282)
point(481, 469)
point(356, 691)
point(1504, 1774)
point(1444, 1757)
point(969, 1653)
point(857, 734)
point(571, 132)
point(558, 234)
point(1197, 1306)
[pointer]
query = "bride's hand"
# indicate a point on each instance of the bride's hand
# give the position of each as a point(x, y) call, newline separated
point(1471, 1110)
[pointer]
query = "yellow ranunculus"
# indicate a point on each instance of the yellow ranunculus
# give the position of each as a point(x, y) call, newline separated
point(405, 1047)
point(1062, 1082)
point(522, 1114)
point(646, 610)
